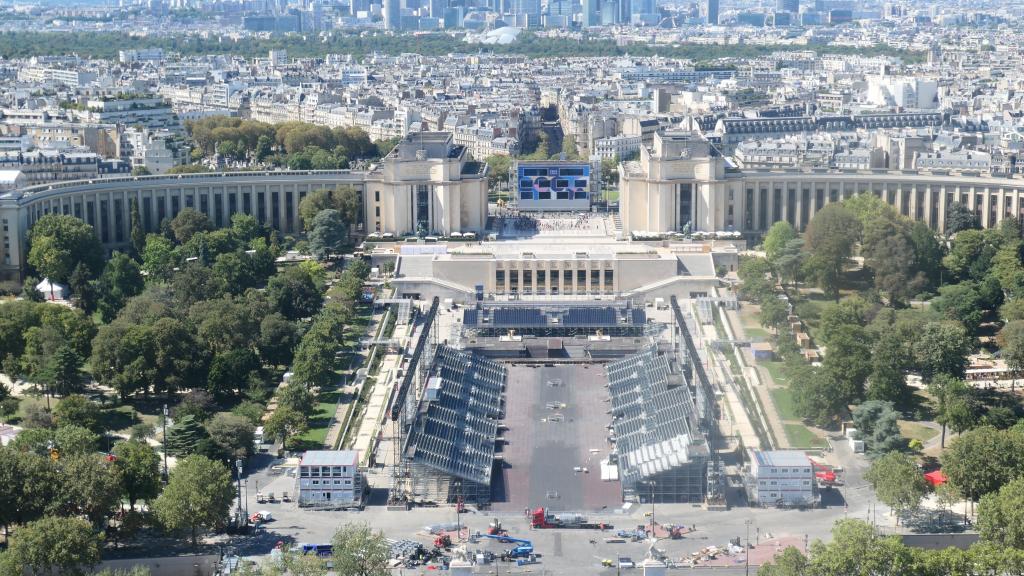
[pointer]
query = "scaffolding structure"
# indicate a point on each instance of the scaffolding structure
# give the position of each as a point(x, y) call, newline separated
point(661, 451)
point(402, 308)
point(450, 448)
point(703, 392)
point(404, 401)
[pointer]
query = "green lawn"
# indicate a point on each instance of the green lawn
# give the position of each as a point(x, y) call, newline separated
point(919, 431)
point(121, 419)
point(320, 421)
point(756, 333)
point(801, 437)
point(783, 400)
point(777, 370)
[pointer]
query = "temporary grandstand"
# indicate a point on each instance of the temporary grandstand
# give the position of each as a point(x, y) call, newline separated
point(661, 451)
point(449, 453)
point(554, 319)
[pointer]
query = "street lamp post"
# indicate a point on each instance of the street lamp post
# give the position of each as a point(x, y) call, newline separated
point(653, 537)
point(238, 466)
point(746, 553)
point(458, 508)
point(165, 443)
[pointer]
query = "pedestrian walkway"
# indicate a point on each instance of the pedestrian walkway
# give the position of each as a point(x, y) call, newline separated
point(763, 383)
point(376, 408)
point(348, 387)
point(716, 368)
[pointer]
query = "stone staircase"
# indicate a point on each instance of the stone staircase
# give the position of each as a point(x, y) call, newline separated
point(616, 222)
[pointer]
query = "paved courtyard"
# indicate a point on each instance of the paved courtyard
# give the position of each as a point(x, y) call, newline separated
point(573, 552)
point(556, 437)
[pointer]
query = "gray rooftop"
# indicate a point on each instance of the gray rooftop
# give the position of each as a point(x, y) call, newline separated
point(330, 458)
point(789, 458)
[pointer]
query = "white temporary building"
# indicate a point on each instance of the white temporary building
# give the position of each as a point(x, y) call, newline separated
point(53, 290)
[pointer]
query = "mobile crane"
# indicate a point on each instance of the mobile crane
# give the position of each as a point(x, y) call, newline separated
point(523, 548)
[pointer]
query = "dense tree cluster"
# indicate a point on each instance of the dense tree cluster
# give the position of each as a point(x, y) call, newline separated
point(45, 344)
point(63, 503)
point(106, 45)
point(193, 312)
point(315, 359)
point(297, 145)
point(858, 548)
point(205, 326)
point(873, 340)
point(870, 349)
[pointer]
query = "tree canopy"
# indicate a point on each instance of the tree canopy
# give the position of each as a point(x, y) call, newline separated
point(58, 243)
point(830, 238)
point(198, 495)
point(984, 459)
point(53, 545)
point(897, 481)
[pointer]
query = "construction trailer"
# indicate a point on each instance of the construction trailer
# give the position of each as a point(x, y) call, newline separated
point(449, 453)
point(783, 478)
point(330, 479)
point(661, 451)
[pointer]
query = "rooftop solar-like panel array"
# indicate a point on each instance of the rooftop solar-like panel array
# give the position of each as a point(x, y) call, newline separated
point(648, 414)
point(519, 317)
point(590, 317)
point(455, 433)
point(637, 316)
point(526, 317)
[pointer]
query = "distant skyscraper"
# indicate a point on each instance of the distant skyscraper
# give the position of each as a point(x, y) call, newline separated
point(709, 10)
point(642, 7)
point(625, 11)
point(787, 6)
point(528, 9)
point(609, 12)
point(560, 8)
point(392, 14)
point(359, 6)
point(591, 13)
point(453, 17)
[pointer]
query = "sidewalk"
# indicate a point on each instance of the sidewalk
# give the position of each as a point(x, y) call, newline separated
point(764, 384)
point(349, 390)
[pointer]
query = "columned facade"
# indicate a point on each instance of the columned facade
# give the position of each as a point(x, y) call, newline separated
point(427, 184)
point(655, 192)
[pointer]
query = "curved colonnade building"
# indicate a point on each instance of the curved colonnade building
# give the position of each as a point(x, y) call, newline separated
point(428, 183)
point(425, 183)
point(680, 181)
